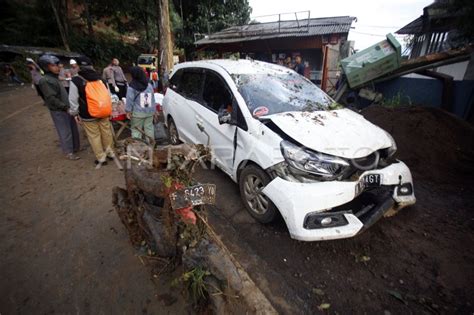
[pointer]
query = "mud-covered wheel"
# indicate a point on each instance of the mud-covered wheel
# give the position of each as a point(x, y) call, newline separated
point(251, 183)
point(173, 132)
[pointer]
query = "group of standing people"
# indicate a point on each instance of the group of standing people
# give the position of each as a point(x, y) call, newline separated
point(115, 78)
point(80, 95)
point(298, 65)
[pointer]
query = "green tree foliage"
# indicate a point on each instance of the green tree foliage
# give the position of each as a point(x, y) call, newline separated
point(464, 9)
point(98, 32)
point(208, 16)
point(29, 23)
point(32, 23)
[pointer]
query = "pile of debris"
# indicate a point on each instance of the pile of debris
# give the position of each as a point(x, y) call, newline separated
point(163, 210)
point(435, 144)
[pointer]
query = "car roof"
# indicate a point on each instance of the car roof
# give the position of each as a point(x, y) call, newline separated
point(241, 66)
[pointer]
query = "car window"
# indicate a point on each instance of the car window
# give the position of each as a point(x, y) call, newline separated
point(146, 60)
point(271, 93)
point(215, 93)
point(190, 84)
point(175, 78)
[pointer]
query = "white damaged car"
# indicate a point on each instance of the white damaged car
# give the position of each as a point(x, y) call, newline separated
point(329, 172)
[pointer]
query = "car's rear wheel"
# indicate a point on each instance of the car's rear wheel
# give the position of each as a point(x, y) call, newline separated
point(173, 132)
point(252, 181)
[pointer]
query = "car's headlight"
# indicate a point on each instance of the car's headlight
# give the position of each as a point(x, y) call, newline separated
point(393, 147)
point(312, 162)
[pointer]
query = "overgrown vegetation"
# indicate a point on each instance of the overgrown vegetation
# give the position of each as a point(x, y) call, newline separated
point(397, 100)
point(464, 10)
point(194, 281)
point(101, 49)
point(208, 16)
point(104, 29)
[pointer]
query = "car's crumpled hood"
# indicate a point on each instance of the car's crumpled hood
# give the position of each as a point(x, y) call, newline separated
point(342, 133)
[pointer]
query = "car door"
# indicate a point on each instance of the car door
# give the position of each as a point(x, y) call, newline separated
point(223, 138)
point(186, 103)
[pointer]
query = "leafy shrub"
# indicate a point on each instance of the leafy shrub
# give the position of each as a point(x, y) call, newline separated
point(101, 49)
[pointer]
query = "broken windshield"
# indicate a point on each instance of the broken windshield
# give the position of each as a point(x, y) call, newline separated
point(267, 94)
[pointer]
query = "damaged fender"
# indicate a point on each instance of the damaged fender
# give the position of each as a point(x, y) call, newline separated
point(297, 200)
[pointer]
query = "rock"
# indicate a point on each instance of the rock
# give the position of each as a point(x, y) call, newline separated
point(318, 291)
point(324, 306)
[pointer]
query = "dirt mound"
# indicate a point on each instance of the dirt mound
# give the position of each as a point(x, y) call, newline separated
point(436, 145)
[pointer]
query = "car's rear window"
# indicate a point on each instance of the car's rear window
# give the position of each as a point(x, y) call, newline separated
point(278, 92)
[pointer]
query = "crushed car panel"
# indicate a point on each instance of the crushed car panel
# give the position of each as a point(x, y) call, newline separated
point(322, 197)
point(342, 132)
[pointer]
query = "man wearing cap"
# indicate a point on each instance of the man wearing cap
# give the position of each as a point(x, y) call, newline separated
point(74, 67)
point(56, 99)
point(98, 130)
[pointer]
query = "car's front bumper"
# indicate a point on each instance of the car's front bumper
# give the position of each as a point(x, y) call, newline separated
point(303, 205)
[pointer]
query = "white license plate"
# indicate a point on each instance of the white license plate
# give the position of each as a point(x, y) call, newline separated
point(372, 180)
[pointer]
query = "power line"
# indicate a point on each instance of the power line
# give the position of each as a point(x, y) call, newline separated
point(368, 34)
point(377, 26)
point(372, 34)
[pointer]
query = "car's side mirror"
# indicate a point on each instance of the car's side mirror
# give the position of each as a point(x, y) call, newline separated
point(224, 117)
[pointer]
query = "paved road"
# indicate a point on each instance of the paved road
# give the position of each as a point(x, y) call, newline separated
point(63, 248)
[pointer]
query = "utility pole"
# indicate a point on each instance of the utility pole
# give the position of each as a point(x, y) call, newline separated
point(60, 26)
point(166, 45)
point(90, 28)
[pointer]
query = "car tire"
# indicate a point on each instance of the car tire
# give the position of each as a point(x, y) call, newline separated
point(173, 132)
point(252, 180)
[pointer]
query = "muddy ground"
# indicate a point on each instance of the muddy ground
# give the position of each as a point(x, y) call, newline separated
point(64, 250)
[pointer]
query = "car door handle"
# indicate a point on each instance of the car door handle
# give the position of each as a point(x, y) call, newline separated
point(199, 119)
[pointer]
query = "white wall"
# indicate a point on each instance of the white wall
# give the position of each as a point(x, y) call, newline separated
point(456, 70)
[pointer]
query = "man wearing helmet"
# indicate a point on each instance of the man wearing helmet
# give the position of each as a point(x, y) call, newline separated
point(56, 99)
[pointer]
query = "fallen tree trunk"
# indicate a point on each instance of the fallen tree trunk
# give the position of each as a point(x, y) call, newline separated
point(144, 208)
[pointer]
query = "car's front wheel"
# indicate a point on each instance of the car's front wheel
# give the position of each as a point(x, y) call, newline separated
point(252, 181)
point(173, 132)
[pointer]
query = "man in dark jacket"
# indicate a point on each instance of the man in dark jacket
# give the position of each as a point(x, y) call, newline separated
point(299, 66)
point(56, 99)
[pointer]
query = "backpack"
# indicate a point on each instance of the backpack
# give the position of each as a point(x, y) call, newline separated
point(99, 102)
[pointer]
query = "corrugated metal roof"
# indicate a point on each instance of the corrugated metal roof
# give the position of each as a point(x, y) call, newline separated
point(437, 11)
point(414, 27)
point(293, 28)
point(20, 50)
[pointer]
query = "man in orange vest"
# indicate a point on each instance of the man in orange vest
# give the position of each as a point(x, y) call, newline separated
point(154, 80)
